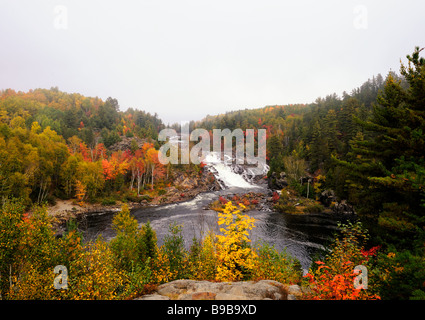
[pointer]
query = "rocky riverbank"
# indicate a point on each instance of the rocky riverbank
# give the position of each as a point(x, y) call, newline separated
point(290, 201)
point(241, 290)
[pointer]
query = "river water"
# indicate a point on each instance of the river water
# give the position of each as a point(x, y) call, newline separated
point(302, 236)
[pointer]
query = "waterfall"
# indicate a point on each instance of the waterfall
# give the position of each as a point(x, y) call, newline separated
point(229, 174)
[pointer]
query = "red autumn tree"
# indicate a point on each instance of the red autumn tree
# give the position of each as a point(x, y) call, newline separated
point(85, 152)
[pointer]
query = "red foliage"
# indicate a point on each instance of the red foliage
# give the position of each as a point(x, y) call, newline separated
point(326, 285)
point(116, 165)
point(371, 252)
point(99, 152)
point(246, 202)
point(275, 197)
point(107, 170)
point(222, 200)
point(85, 152)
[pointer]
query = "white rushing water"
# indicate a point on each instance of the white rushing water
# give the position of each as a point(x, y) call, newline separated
point(224, 173)
point(229, 178)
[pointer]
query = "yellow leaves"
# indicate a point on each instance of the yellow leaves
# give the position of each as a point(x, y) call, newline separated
point(399, 269)
point(94, 275)
point(391, 255)
point(234, 256)
point(80, 190)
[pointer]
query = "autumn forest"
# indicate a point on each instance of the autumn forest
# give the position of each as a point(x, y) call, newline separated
point(367, 146)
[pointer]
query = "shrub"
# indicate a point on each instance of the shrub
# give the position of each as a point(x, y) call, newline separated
point(284, 208)
point(222, 200)
point(174, 252)
point(146, 197)
point(314, 208)
point(124, 245)
point(10, 239)
point(134, 250)
point(333, 278)
point(108, 202)
point(93, 275)
point(402, 270)
point(202, 258)
point(147, 242)
point(273, 265)
point(131, 196)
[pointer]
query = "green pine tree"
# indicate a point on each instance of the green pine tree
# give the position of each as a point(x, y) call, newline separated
point(387, 170)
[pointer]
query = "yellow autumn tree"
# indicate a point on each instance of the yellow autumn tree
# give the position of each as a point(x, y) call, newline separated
point(235, 258)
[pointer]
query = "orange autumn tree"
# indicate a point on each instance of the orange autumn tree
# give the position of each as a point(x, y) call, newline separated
point(116, 165)
point(85, 151)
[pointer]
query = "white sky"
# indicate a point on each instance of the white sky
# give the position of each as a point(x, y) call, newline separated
point(186, 59)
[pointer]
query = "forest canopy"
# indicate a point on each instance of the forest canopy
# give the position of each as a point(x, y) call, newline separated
point(55, 144)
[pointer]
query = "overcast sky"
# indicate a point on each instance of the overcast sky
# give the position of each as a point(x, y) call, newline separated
point(187, 59)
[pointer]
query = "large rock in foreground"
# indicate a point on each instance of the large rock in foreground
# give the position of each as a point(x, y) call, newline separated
point(205, 290)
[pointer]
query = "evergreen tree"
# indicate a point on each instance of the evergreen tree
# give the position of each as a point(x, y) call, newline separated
point(319, 149)
point(387, 171)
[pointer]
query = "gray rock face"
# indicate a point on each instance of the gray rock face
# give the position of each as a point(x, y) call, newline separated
point(343, 208)
point(243, 290)
point(278, 182)
point(327, 197)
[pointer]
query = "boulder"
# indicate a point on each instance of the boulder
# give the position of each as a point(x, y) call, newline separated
point(343, 207)
point(277, 182)
point(295, 290)
point(242, 290)
point(327, 197)
point(229, 296)
point(153, 297)
point(189, 183)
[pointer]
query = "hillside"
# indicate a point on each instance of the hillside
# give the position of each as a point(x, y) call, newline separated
point(59, 146)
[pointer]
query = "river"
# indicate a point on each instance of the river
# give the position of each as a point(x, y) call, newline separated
point(302, 236)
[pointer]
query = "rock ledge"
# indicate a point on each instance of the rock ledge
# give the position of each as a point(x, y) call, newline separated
point(206, 290)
